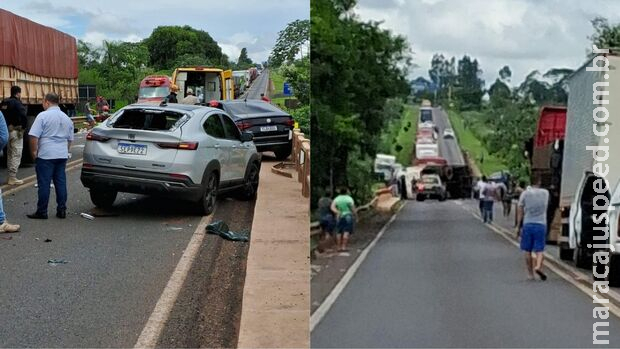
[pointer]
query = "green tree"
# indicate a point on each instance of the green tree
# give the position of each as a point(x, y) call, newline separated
point(244, 62)
point(356, 67)
point(298, 75)
point(505, 73)
point(605, 35)
point(167, 43)
point(290, 42)
point(470, 86)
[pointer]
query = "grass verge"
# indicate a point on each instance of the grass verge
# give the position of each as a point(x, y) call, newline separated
point(486, 162)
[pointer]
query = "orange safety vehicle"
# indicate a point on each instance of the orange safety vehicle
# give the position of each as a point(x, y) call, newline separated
point(154, 88)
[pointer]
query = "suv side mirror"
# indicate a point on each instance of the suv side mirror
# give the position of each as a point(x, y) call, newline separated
point(246, 137)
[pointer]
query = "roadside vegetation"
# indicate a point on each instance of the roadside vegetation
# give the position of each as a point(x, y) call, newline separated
point(399, 138)
point(289, 62)
point(351, 93)
point(117, 67)
point(494, 124)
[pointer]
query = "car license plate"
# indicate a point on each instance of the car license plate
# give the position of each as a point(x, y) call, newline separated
point(132, 149)
point(268, 128)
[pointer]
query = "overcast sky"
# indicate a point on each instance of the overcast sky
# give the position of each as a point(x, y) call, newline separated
point(234, 24)
point(526, 35)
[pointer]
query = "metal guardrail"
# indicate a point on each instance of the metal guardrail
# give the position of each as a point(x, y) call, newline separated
point(301, 156)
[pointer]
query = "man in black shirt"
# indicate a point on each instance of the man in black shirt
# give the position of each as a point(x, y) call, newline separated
point(15, 115)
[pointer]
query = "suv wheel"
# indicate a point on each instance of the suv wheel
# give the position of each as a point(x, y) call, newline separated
point(284, 152)
point(103, 197)
point(250, 184)
point(209, 196)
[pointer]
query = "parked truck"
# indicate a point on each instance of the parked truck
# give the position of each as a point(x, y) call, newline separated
point(40, 60)
point(545, 152)
point(591, 154)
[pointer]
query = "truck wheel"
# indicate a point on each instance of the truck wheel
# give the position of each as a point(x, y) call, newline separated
point(582, 259)
point(103, 197)
point(614, 270)
point(420, 197)
point(566, 254)
point(442, 197)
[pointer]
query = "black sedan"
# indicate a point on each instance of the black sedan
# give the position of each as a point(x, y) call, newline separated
point(272, 127)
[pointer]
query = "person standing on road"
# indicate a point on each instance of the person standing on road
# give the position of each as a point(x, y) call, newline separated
point(5, 227)
point(51, 135)
point(489, 194)
point(479, 188)
point(343, 207)
point(517, 194)
point(504, 197)
point(17, 123)
point(190, 98)
point(172, 97)
point(532, 227)
point(326, 215)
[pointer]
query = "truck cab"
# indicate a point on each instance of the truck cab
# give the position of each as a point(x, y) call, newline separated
point(207, 83)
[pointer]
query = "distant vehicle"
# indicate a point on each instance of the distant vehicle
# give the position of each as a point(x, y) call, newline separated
point(207, 83)
point(426, 124)
point(431, 186)
point(384, 166)
point(154, 88)
point(426, 103)
point(271, 126)
point(448, 133)
point(182, 151)
point(424, 150)
point(253, 72)
point(426, 115)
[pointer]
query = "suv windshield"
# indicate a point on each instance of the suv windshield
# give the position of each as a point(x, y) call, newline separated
point(152, 120)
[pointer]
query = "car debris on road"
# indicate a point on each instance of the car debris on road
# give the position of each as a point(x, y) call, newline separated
point(220, 228)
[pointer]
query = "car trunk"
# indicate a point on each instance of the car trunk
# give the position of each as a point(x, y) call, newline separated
point(140, 139)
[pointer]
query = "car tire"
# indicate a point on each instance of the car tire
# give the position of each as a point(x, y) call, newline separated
point(250, 182)
point(103, 197)
point(613, 275)
point(582, 259)
point(209, 194)
point(420, 197)
point(284, 152)
point(442, 197)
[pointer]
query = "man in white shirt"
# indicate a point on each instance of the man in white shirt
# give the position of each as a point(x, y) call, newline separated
point(51, 135)
point(479, 188)
point(190, 98)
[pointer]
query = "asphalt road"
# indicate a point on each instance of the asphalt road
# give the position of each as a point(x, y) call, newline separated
point(448, 147)
point(258, 87)
point(117, 267)
point(440, 278)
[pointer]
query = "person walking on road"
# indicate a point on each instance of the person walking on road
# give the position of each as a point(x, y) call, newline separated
point(89, 116)
point(190, 98)
point(532, 227)
point(326, 215)
point(51, 135)
point(517, 194)
point(5, 226)
point(15, 118)
point(504, 197)
point(343, 207)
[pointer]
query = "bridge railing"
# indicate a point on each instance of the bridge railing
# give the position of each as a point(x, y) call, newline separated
point(301, 158)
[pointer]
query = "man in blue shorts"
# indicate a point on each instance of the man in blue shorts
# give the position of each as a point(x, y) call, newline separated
point(343, 207)
point(532, 227)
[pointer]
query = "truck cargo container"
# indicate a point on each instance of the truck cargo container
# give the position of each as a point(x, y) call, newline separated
point(593, 120)
point(40, 60)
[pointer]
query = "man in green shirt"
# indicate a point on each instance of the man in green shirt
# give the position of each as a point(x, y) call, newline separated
point(343, 207)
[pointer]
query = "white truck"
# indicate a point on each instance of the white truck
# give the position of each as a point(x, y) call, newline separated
point(591, 156)
point(384, 164)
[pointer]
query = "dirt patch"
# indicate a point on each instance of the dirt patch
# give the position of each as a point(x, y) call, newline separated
point(329, 267)
point(208, 311)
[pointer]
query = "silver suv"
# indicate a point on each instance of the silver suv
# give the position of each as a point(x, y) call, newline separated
point(184, 151)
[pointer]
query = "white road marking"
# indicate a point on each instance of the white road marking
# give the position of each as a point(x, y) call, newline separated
point(571, 280)
point(156, 322)
point(322, 310)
